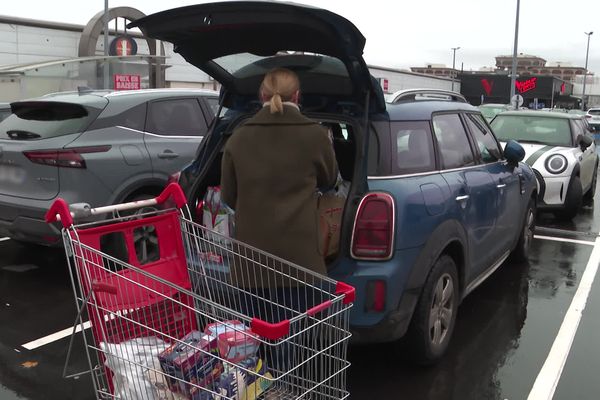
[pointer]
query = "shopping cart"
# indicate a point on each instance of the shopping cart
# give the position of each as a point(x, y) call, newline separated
point(178, 311)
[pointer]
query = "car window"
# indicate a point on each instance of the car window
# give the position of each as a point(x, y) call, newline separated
point(455, 150)
point(213, 104)
point(177, 117)
point(43, 120)
point(487, 144)
point(413, 151)
point(530, 128)
point(594, 112)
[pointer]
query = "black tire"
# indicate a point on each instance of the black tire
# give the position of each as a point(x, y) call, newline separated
point(573, 200)
point(434, 317)
point(589, 196)
point(521, 251)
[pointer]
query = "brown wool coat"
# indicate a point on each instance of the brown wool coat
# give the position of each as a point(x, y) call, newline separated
point(271, 168)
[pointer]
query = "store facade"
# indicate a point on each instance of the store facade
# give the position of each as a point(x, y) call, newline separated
point(538, 91)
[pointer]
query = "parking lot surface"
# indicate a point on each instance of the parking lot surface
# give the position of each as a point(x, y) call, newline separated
point(507, 331)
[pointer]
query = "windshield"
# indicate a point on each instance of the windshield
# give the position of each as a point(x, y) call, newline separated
point(594, 112)
point(490, 112)
point(43, 120)
point(533, 129)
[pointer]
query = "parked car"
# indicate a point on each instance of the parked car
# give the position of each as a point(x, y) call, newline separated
point(593, 116)
point(4, 111)
point(490, 110)
point(562, 153)
point(434, 205)
point(95, 147)
point(423, 94)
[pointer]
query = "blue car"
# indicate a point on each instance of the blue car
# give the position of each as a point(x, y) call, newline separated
point(435, 205)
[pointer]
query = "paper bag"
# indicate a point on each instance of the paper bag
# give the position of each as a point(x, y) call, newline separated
point(330, 208)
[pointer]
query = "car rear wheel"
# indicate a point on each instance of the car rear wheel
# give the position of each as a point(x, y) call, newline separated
point(435, 314)
point(573, 200)
point(521, 251)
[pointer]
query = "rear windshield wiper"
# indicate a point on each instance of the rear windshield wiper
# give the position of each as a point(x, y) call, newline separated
point(22, 135)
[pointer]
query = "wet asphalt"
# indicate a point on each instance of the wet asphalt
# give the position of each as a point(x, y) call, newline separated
point(504, 331)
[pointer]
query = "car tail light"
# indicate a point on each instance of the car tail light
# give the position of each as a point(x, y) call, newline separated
point(373, 234)
point(68, 158)
point(588, 116)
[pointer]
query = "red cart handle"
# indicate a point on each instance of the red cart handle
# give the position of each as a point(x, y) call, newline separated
point(60, 208)
point(172, 190)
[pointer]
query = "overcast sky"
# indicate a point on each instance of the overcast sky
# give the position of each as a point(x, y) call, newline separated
point(412, 33)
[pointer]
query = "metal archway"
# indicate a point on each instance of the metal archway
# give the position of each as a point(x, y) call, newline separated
point(93, 30)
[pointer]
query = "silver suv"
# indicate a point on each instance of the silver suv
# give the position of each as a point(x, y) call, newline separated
point(94, 147)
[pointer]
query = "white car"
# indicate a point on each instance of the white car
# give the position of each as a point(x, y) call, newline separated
point(593, 118)
point(561, 150)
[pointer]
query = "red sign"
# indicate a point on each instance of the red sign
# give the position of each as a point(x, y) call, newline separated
point(562, 88)
point(126, 82)
point(385, 85)
point(487, 86)
point(526, 85)
point(123, 46)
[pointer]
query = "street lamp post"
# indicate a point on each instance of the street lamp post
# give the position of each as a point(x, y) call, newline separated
point(106, 62)
point(587, 52)
point(453, 64)
point(513, 73)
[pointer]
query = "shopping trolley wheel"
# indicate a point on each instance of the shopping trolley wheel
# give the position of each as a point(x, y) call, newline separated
point(435, 314)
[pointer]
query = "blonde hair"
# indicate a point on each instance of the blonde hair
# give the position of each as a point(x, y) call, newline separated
point(279, 85)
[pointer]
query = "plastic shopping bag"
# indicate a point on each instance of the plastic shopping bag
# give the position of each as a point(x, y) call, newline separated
point(134, 364)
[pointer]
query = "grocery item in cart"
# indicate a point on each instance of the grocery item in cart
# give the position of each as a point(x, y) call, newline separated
point(133, 364)
point(216, 328)
point(235, 346)
point(193, 359)
point(237, 383)
point(216, 215)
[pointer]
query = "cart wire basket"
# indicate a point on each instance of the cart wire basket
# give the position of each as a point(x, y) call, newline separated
point(178, 311)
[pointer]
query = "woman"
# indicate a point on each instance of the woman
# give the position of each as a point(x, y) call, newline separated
point(272, 166)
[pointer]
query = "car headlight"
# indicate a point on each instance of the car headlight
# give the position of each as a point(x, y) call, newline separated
point(556, 164)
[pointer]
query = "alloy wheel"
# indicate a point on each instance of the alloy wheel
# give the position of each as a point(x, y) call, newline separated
point(442, 309)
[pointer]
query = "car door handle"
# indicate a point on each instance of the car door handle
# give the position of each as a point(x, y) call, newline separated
point(462, 198)
point(501, 185)
point(167, 155)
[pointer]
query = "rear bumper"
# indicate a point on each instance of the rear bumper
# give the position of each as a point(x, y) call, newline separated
point(391, 323)
point(23, 219)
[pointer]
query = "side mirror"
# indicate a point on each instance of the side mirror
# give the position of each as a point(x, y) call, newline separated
point(513, 152)
point(584, 141)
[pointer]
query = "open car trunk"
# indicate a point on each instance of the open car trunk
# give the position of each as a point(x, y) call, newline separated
point(346, 141)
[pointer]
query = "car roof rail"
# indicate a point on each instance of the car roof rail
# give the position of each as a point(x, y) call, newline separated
point(426, 94)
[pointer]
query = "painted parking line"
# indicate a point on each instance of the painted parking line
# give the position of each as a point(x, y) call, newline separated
point(4, 238)
point(567, 240)
point(54, 337)
point(549, 376)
